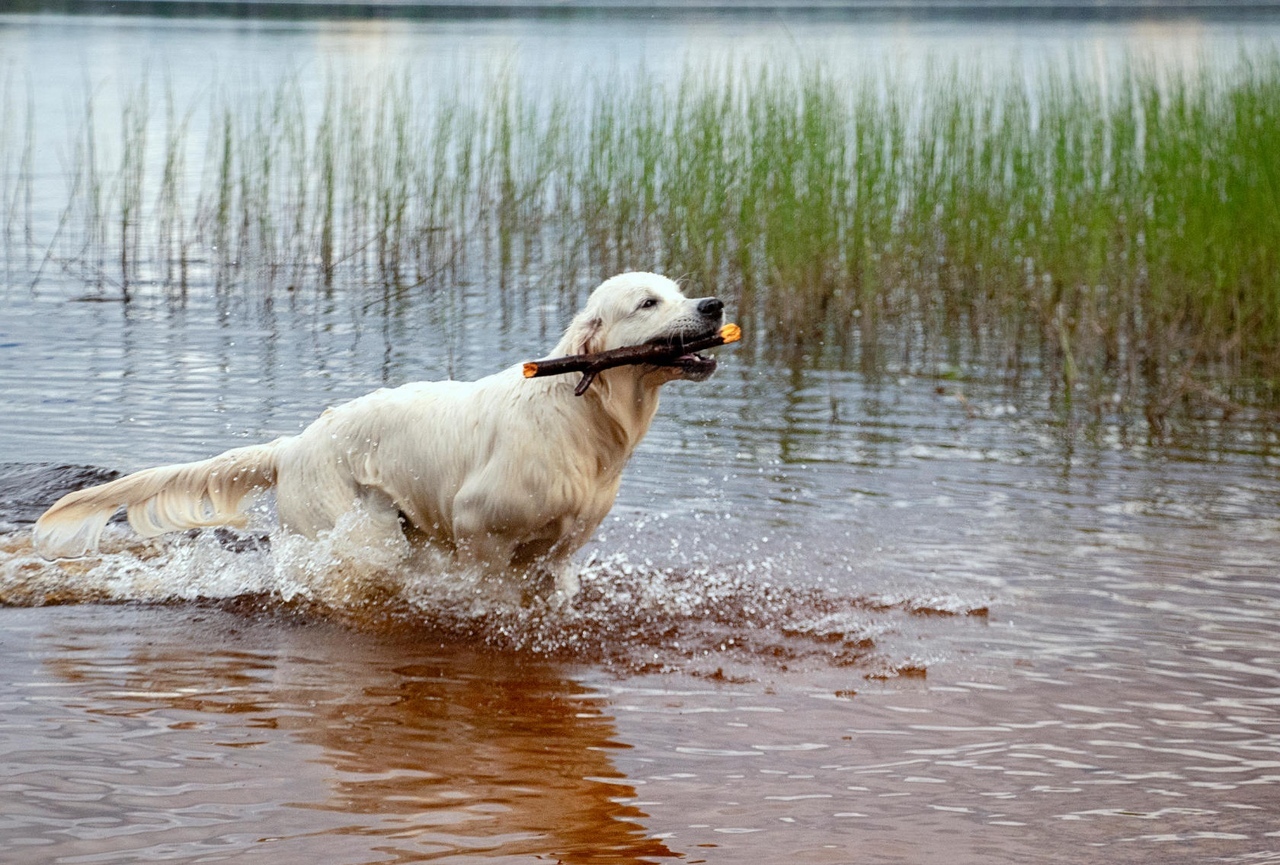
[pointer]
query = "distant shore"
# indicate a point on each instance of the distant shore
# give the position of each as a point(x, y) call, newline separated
point(427, 9)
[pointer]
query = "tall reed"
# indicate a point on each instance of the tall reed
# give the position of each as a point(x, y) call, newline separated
point(1121, 236)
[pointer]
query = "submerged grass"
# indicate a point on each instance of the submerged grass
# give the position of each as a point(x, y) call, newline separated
point(1121, 234)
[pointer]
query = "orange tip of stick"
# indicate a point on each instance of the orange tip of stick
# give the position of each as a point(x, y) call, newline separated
point(731, 333)
point(530, 369)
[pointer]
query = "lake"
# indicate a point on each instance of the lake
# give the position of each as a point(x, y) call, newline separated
point(913, 613)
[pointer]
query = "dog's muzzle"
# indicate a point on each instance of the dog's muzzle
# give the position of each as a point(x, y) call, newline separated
point(695, 366)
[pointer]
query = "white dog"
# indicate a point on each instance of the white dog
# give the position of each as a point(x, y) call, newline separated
point(509, 474)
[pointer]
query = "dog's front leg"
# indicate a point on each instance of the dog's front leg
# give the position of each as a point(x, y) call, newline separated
point(518, 538)
point(567, 583)
point(489, 554)
point(482, 550)
point(478, 538)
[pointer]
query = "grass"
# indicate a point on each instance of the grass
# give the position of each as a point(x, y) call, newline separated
point(1122, 239)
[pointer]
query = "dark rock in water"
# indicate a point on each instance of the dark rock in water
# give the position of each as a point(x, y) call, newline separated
point(27, 489)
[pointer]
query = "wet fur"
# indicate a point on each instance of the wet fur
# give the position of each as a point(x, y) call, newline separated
point(506, 473)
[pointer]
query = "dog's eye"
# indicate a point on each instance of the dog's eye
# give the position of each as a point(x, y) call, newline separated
point(648, 303)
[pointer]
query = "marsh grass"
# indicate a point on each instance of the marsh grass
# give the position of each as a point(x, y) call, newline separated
point(1119, 235)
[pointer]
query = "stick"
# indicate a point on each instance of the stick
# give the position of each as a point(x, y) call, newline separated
point(662, 353)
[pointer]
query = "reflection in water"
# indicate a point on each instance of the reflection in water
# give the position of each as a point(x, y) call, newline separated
point(286, 740)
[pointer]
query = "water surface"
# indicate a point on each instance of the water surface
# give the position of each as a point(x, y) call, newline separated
point(835, 616)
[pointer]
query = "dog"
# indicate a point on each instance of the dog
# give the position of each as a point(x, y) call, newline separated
point(508, 475)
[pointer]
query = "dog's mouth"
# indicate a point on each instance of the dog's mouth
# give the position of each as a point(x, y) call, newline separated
point(691, 366)
point(695, 366)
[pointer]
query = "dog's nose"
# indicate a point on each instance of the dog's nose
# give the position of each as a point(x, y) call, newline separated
point(711, 306)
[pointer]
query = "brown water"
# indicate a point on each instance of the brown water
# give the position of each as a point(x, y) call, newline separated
point(194, 733)
point(830, 619)
point(916, 616)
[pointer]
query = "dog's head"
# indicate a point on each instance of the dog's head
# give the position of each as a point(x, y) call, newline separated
point(639, 308)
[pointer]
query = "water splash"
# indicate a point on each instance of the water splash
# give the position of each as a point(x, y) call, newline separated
point(723, 623)
point(722, 620)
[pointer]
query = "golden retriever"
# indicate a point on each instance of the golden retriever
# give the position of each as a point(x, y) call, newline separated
point(508, 474)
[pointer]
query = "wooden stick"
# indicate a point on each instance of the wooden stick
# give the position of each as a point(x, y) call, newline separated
point(661, 354)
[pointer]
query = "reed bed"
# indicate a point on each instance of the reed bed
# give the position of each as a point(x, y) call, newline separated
point(1119, 236)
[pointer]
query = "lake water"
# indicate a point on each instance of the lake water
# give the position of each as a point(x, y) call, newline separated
point(834, 617)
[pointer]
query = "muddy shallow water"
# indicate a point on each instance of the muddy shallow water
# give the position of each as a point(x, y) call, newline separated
point(834, 617)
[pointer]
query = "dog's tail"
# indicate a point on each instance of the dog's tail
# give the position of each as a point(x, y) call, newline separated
point(159, 500)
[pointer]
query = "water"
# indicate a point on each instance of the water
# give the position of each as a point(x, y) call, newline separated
point(833, 617)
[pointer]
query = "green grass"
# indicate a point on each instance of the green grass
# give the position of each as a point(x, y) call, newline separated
point(1122, 239)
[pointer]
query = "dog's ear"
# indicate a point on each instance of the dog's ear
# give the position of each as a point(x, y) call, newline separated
point(584, 334)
